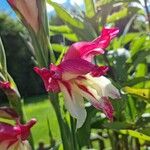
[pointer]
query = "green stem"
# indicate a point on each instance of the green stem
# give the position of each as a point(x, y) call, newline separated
point(112, 72)
point(64, 128)
point(74, 136)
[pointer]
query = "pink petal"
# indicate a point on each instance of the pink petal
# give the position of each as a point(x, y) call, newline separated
point(25, 129)
point(81, 67)
point(99, 71)
point(9, 132)
point(8, 90)
point(4, 85)
point(28, 12)
point(87, 50)
point(77, 66)
point(8, 113)
point(106, 106)
point(51, 85)
point(106, 36)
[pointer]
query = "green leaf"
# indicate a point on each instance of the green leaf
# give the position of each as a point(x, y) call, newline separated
point(86, 34)
point(60, 29)
point(130, 109)
point(143, 121)
point(136, 134)
point(140, 57)
point(137, 45)
point(128, 38)
point(89, 8)
point(137, 80)
point(144, 93)
point(60, 57)
point(117, 15)
point(66, 16)
point(117, 125)
point(58, 47)
point(83, 133)
point(65, 31)
point(3, 66)
point(141, 70)
point(71, 37)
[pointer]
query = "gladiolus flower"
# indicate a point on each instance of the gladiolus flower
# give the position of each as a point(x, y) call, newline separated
point(77, 77)
point(28, 11)
point(8, 90)
point(14, 137)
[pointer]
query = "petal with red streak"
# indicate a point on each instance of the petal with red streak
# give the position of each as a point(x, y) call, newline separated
point(8, 113)
point(51, 85)
point(74, 104)
point(80, 67)
point(105, 105)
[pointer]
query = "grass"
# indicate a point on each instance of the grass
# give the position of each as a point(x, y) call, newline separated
point(41, 109)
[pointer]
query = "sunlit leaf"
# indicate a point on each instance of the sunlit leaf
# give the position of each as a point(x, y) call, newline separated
point(59, 48)
point(71, 37)
point(60, 29)
point(144, 93)
point(137, 45)
point(117, 15)
point(129, 37)
point(66, 16)
point(136, 134)
point(89, 8)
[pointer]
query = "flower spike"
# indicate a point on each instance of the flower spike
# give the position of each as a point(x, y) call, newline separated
point(78, 78)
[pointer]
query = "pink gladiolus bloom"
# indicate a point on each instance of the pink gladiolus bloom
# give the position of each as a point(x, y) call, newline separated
point(8, 90)
point(77, 77)
point(14, 137)
point(28, 11)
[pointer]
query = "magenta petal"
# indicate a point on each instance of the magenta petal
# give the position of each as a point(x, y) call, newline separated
point(106, 106)
point(112, 32)
point(25, 129)
point(9, 132)
point(76, 66)
point(106, 36)
point(4, 85)
point(99, 71)
point(51, 85)
point(8, 90)
point(85, 50)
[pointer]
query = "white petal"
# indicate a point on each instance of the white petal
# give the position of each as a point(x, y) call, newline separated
point(19, 145)
point(74, 104)
point(24, 146)
point(108, 90)
point(92, 96)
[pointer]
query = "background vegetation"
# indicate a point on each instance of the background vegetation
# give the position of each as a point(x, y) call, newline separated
point(128, 57)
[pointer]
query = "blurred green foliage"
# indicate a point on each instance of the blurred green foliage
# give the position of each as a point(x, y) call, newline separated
point(128, 56)
point(19, 59)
